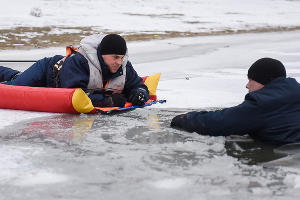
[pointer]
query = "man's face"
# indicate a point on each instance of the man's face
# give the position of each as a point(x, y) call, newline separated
point(253, 85)
point(113, 61)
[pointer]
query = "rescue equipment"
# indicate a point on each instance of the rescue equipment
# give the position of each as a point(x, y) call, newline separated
point(59, 100)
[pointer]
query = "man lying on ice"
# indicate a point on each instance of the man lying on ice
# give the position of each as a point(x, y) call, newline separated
point(99, 66)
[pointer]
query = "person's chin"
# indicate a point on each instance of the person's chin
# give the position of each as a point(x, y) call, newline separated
point(114, 70)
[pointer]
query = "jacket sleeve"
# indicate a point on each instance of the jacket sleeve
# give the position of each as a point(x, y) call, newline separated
point(99, 100)
point(133, 81)
point(75, 72)
point(239, 120)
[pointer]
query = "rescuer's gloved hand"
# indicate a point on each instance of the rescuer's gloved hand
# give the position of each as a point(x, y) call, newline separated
point(139, 97)
point(178, 121)
point(118, 100)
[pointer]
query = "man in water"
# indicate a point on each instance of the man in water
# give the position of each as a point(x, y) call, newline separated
point(270, 111)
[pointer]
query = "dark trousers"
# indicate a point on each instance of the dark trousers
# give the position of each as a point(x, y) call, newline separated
point(34, 76)
point(6, 74)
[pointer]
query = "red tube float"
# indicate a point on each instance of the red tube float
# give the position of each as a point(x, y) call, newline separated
point(57, 100)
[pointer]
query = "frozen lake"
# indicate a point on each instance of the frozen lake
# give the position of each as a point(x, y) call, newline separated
point(136, 155)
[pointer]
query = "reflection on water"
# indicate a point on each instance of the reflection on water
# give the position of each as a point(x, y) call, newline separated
point(251, 152)
point(67, 128)
point(138, 151)
point(140, 128)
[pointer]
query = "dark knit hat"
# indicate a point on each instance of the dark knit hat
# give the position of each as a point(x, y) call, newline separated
point(266, 70)
point(113, 44)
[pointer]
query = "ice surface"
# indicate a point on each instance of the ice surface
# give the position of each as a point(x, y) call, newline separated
point(152, 16)
point(136, 155)
point(197, 72)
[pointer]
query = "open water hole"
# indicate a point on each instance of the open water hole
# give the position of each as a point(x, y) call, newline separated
point(136, 155)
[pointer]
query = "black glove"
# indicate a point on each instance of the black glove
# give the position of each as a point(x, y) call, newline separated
point(178, 121)
point(140, 97)
point(118, 100)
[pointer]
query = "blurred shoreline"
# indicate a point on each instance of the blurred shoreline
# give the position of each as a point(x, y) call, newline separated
point(52, 36)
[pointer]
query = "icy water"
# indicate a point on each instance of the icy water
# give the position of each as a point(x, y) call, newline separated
point(136, 155)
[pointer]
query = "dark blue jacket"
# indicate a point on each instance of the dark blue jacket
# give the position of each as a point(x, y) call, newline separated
point(74, 74)
point(271, 114)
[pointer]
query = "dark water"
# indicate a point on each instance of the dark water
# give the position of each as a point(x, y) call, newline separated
point(136, 155)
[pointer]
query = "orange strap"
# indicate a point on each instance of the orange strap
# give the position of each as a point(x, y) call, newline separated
point(70, 50)
point(106, 85)
point(57, 67)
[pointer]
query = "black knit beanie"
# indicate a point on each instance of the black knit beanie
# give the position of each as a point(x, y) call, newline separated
point(266, 70)
point(113, 44)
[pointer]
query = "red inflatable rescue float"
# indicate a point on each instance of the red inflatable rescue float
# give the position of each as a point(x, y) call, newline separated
point(58, 100)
